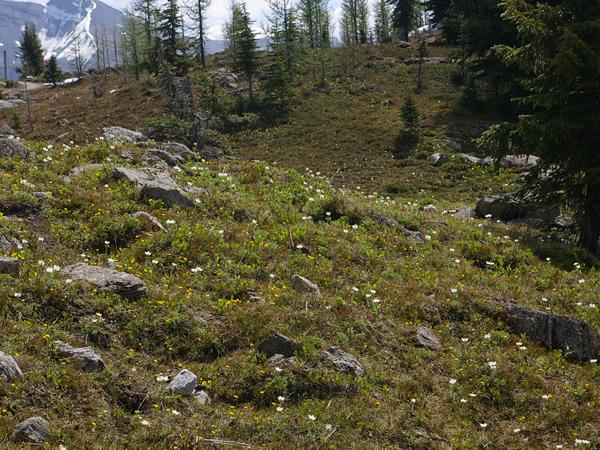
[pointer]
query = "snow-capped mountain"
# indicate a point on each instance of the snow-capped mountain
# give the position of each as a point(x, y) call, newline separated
point(58, 23)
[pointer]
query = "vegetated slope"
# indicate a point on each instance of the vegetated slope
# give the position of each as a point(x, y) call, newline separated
point(255, 228)
point(219, 284)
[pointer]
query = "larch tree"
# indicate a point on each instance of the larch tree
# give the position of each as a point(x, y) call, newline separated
point(558, 49)
point(383, 21)
point(197, 10)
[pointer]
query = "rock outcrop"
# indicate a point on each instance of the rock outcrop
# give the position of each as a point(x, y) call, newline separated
point(107, 280)
point(575, 337)
point(89, 358)
point(154, 185)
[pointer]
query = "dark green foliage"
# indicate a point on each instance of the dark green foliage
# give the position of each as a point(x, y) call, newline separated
point(315, 22)
point(31, 52)
point(53, 73)
point(404, 16)
point(246, 57)
point(170, 35)
point(559, 50)
point(17, 122)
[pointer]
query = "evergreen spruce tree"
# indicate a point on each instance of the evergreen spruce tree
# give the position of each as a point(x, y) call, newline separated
point(404, 16)
point(246, 58)
point(284, 35)
point(559, 51)
point(170, 34)
point(53, 73)
point(30, 52)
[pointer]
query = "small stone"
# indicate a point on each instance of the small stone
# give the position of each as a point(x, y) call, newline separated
point(301, 284)
point(280, 344)
point(90, 359)
point(9, 265)
point(9, 368)
point(344, 362)
point(34, 429)
point(437, 159)
point(276, 359)
point(429, 208)
point(202, 398)
point(184, 383)
point(426, 338)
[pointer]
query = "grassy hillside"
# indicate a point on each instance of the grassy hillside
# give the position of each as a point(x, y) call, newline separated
point(298, 210)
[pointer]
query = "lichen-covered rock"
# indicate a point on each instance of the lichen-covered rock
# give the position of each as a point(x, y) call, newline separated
point(6, 243)
point(344, 362)
point(575, 337)
point(34, 429)
point(14, 147)
point(107, 280)
point(122, 135)
point(90, 359)
point(426, 338)
point(154, 185)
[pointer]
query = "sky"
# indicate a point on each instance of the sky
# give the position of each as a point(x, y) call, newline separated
point(218, 12)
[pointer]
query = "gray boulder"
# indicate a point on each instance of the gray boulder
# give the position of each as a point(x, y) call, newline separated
point(575, 337)
point(510, 207)
point(426, 338)
point(449, 143)
point(14, 147)
point(208, 152)
point(469, 158)
point(5, 130)
point(465, 212)
point(6, 243)
point(280, 344)
point(90, 359)
point(9, 368)
point(122, 135)
point(416, 235)
point(76, 171)
point(154, 185)
point(107, 280)
point(165, 156)
point(301, 284)
point(344, 362)
point(437, 159)
point(519, 161)
point(9, 265)
point(184, 383)
point(34, 429)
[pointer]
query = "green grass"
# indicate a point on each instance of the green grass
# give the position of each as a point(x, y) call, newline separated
point(260, 224)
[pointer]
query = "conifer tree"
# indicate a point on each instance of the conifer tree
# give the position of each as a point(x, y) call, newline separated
point(30, 52)
point(558, 49)
point(170, 34)
point(315, 22)
point(284, 34)
point(404, 16)
point(246, 58)
point(53, 73)
point(383, 24)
